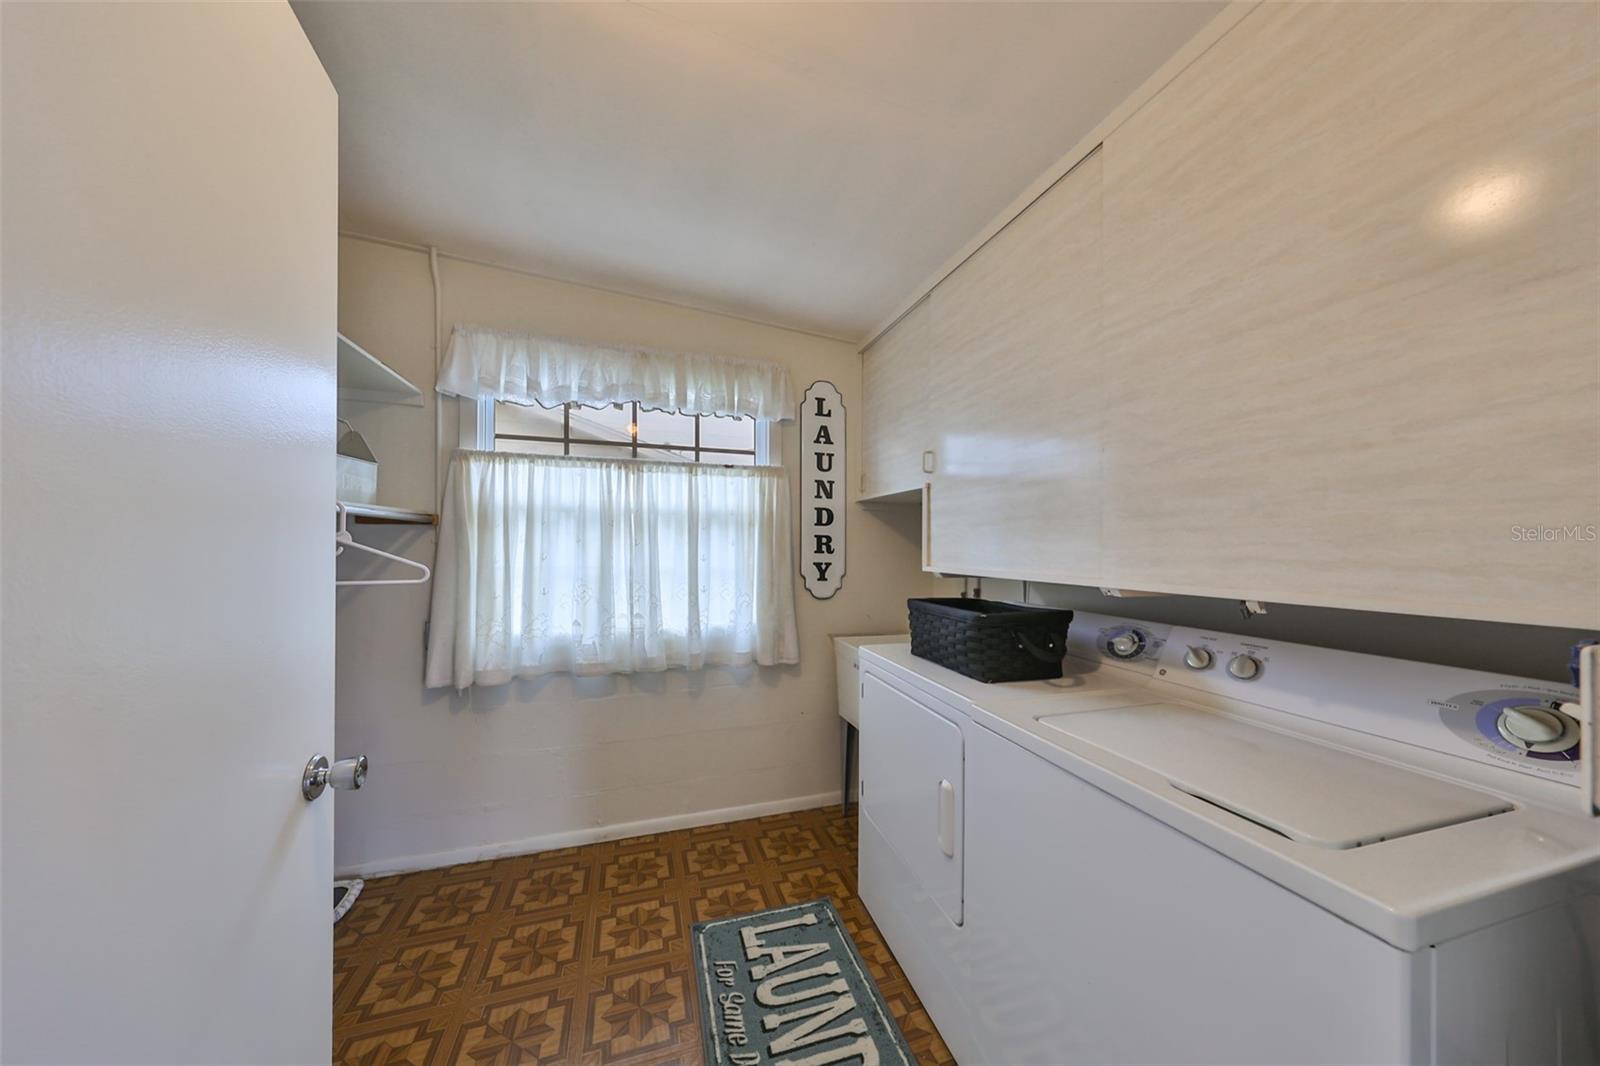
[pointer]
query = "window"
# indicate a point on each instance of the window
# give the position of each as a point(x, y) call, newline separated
point(547, 565)
point(624, 430)
point(620, 566)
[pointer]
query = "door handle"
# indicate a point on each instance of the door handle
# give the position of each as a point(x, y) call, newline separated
point(947, 819)
point(319, 774)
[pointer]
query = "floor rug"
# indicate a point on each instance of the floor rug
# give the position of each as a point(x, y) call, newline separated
point(788, 985)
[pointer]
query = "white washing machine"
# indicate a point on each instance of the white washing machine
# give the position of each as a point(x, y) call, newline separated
point(1202, 847)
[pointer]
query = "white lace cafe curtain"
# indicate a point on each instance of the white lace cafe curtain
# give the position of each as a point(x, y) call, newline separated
point(594, 566)
point(527, 369)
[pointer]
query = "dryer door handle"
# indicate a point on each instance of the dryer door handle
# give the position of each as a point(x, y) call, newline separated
point(947, 819)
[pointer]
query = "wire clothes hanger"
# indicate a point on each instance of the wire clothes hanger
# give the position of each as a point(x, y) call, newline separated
point(342, 540)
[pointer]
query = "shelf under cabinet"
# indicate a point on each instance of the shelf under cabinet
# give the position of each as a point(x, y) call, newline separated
point(389, 516)
point(908, 496)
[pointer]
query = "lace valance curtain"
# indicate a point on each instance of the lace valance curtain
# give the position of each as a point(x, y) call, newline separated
point(595, 566)
point(525, 368)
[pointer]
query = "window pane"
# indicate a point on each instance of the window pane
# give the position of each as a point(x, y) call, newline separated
point(604, 423)
point(719, 432)
point(530, 447)
point(601, 451)
point(667, 455)
point(727, 459)
point(534, 421)
point(666, 427)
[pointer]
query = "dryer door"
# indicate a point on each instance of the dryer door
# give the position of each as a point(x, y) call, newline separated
point(912, 787)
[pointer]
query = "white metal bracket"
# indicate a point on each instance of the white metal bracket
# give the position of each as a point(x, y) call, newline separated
point(1588, 719)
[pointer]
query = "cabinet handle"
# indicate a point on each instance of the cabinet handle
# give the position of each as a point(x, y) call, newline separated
point(947, 819)
point(927, 526)
point(927, 462)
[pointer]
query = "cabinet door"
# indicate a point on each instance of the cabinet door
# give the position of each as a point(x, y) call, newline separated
point(1350, 313)
point(1016, 491)
point(894, 426)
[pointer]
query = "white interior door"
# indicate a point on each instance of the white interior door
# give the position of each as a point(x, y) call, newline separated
point(169, 261)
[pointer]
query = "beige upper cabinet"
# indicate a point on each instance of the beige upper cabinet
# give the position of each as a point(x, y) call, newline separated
point(894, 426)
point(1352, 315)
point(1319, 323)
point(1016, 484)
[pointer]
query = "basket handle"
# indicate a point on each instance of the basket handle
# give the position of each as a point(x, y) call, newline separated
point(1048, 655)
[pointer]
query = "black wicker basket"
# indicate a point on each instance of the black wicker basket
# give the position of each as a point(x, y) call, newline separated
point(990, 641)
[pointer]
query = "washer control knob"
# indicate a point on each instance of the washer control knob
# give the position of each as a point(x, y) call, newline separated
point(1127, 644)
point(1536, 728)
point(1197, 658)
point(1244, 667)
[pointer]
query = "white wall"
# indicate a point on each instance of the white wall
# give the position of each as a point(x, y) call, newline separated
point(1520, 651)
point(546, 762)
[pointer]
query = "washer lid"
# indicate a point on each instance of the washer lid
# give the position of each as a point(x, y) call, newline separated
point(1305, 791)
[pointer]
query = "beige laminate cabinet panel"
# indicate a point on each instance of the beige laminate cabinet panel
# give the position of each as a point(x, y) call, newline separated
point(1016, 492)
point(895, 430)
point(1350, 315)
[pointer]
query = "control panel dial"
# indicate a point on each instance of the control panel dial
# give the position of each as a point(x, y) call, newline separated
point(1198, 657)
point(1244, 667)
point(1532, 727)
point(1528, 727)
point(1128, 644)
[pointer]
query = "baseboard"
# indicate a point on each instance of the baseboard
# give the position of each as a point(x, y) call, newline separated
point(573, 837)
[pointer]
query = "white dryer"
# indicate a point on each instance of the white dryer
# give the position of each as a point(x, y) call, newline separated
point(915, 738)
point(1200, 847)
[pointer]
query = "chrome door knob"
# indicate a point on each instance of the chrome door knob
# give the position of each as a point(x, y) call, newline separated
point(319, 774)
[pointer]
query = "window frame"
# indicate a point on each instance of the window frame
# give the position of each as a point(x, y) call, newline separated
point(477, 431)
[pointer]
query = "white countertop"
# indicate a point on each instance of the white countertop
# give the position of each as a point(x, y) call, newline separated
point(1411, 891)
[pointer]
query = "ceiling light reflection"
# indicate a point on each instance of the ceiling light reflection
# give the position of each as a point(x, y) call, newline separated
point(1490, 200)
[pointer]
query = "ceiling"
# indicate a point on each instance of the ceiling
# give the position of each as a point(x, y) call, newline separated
point(802, 164)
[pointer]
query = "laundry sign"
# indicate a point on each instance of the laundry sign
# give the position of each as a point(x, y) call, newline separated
point(822, 500)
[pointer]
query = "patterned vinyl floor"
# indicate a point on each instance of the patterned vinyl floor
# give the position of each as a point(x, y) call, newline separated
point(582, 955)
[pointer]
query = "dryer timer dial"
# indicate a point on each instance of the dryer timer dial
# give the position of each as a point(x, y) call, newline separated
point(1244, 667)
